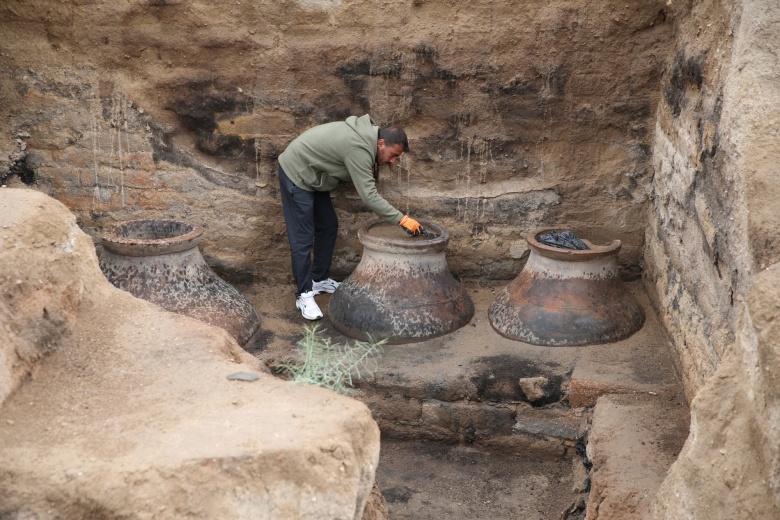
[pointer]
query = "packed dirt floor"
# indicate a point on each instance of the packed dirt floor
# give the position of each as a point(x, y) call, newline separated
point(461, 439)
point(425, 480)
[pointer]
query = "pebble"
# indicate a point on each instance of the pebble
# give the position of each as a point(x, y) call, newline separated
point(243, 376)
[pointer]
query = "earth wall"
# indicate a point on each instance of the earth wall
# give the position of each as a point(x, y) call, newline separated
point(521, 115)
point(713, 260)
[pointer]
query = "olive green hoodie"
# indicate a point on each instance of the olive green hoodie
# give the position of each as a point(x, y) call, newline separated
point(321, 157)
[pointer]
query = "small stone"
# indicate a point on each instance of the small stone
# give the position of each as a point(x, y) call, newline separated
point(243, 376)
point(533, 387)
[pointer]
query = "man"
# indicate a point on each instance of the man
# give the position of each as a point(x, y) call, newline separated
point(312, 165)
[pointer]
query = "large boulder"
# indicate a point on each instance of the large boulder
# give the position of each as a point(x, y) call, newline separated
point(730, 466)
point(114, 408)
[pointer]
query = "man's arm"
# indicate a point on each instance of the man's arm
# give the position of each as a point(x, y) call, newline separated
point(359, 168)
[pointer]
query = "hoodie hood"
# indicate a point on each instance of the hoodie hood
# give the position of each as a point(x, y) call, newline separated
point(366, 128)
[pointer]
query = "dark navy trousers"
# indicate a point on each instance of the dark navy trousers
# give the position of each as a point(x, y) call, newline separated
point(312, 226)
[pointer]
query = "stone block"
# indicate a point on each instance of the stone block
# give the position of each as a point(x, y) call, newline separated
point(585, 391)
point(392, 407)
point(438, 414)
point(632, 443)
point(558, 423)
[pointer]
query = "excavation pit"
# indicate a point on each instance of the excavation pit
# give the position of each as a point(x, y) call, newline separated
point(640, 121)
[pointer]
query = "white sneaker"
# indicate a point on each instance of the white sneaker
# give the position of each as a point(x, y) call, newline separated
point(309, 308)
point(329, 286)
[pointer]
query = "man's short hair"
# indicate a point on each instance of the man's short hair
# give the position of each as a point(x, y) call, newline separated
point(394, 134)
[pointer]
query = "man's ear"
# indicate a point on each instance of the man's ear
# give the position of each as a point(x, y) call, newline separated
point(380, 144)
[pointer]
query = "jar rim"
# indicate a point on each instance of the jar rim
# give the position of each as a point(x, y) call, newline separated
point(126, 238)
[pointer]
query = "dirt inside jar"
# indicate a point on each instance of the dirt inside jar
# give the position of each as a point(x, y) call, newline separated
point(395, 232)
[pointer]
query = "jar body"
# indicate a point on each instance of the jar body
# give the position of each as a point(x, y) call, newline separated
point(159, 261)
point(401, 290)
point(567, 298)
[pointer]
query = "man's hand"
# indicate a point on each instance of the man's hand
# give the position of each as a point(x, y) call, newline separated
point(411, 226)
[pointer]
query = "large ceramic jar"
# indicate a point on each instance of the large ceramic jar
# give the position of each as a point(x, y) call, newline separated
point(566, 297)
point(159, 261)
point(401, 290)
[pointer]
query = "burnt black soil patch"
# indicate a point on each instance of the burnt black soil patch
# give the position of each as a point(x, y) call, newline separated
point(497, 378)
point(260, 341)
point(398, 494)
point(23, 168)
point(686, 76)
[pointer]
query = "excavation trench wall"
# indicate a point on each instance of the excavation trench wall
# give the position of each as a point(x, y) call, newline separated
point(712, 256)
point(520, 114)
point(698, 260)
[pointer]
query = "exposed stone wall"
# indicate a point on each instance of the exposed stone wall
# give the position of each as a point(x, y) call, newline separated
point(521, 115)
point(713, 258)
point(715, 186)
point(695, 236)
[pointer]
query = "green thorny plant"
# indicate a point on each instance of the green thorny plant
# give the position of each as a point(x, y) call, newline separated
point(330, 365)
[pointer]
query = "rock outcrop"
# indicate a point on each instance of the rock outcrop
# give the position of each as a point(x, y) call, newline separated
point(114, 408)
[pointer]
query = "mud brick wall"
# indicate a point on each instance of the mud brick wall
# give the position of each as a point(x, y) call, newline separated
point(713, 256)
point(521, 115)
point(711, 225)
point(691, 263)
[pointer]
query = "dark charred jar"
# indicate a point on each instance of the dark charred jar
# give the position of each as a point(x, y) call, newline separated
point(401, 290)
point(159, 261)
point(567, 297)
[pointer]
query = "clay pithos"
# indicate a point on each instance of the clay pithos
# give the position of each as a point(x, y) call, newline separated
point(567, 297)
point(402, 290)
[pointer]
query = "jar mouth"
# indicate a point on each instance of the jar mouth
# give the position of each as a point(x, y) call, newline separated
point(151, 237)
point(571, 255)
point(369, 236)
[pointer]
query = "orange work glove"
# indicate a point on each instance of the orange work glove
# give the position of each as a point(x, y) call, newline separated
point(410, 225)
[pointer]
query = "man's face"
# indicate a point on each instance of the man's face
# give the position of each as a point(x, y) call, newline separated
point(387, 154)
